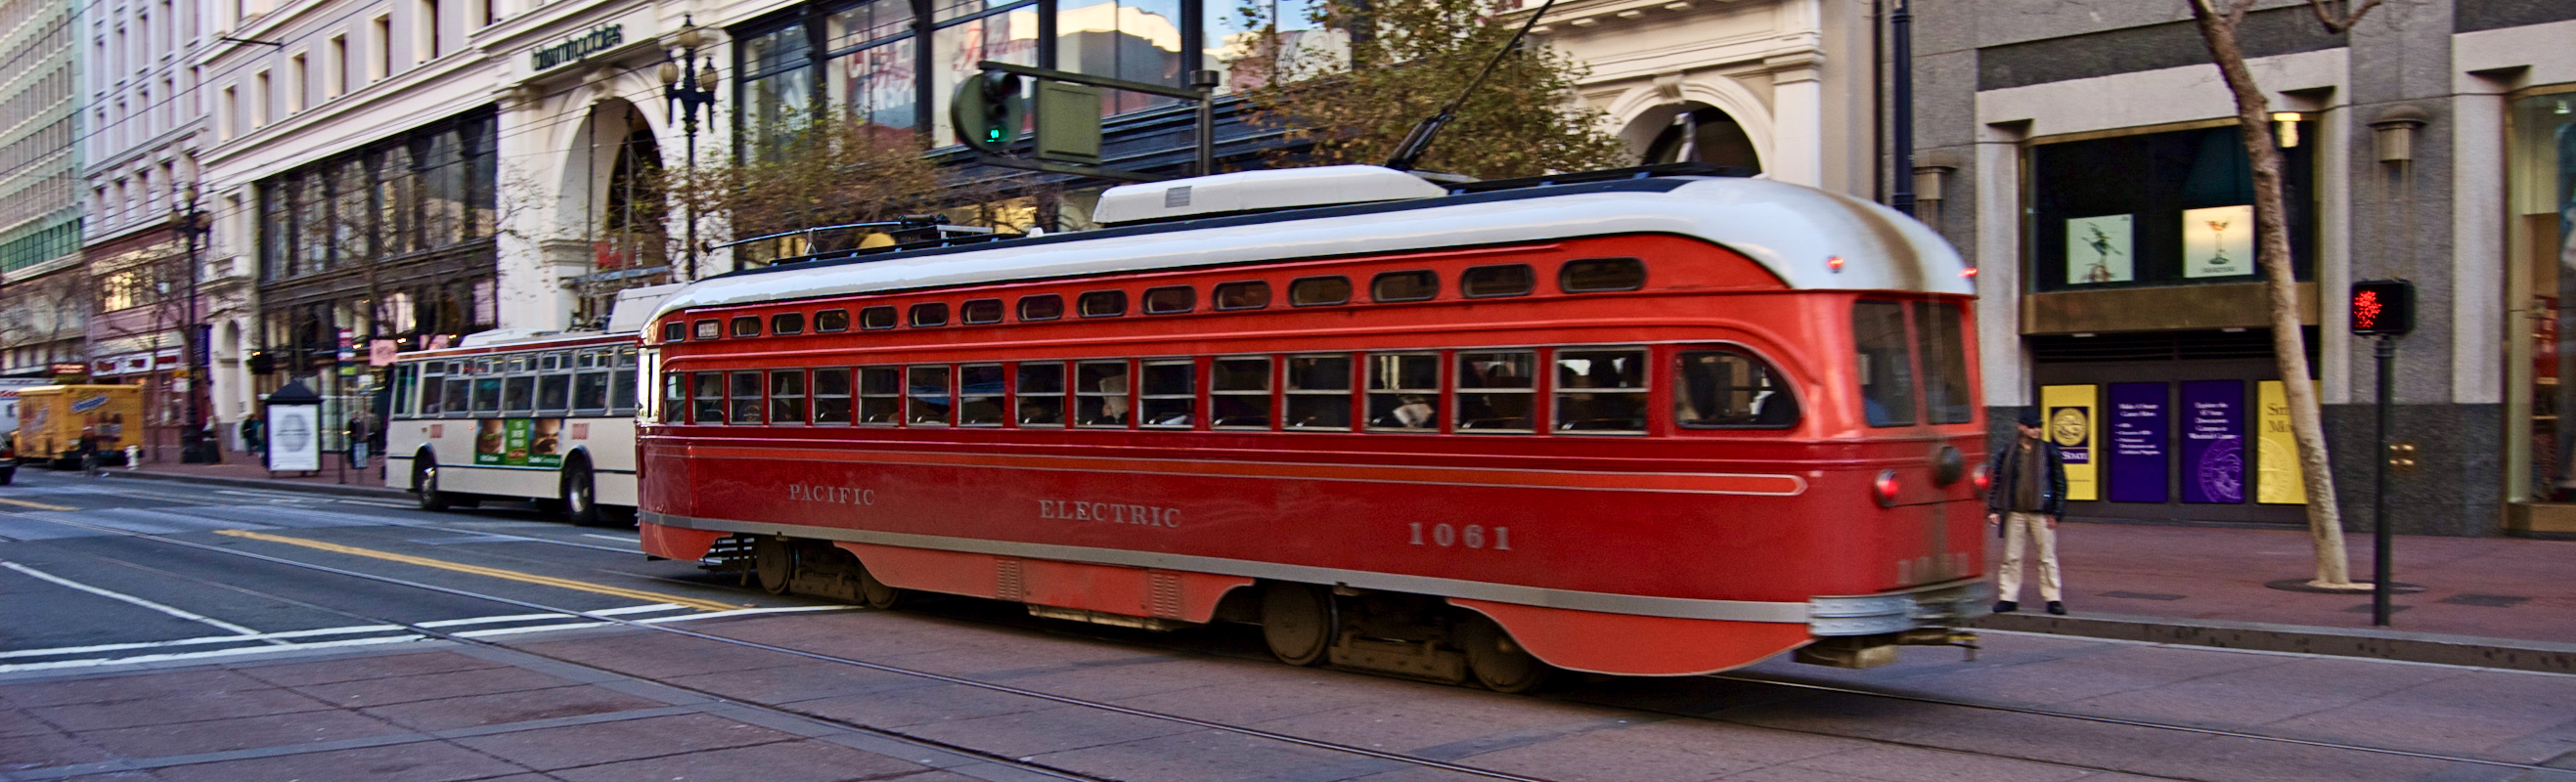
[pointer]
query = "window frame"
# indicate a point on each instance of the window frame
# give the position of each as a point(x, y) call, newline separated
point(1347, 290)
point(949, 391)
point(916, 315)
point(1268, 393)
point(1190, 394)
point(1020, 394)
point(787, 324)
point(1788, 386)
point(867, 319)
point(859, 391)
point(1216, 295)
point(743, 326)
point(849, 396)
point(1020, 308)
point(1645, 389)
point(1189, 304)
point(1440, 381)
point(803, 397)
point(1082, 303)
point(1126, 398)
point(1458, 388)
point(966, 312)
point(1529, 280)
point(1565, 275)
point(1376, 281)
point(843, 315)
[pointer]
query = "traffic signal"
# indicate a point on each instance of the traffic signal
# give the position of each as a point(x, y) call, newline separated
point(261, 363)
point(989, 111)
point(2383, 307)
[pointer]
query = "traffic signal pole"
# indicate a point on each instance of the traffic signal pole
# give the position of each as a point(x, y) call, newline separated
point(2386, 353)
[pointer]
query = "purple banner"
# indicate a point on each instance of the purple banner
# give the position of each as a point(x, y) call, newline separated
point(2213, 441)
point(2140, 449)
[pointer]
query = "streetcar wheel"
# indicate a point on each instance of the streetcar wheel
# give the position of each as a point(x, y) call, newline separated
point(876, 593)
point(774, 562)
point(1297, 622)
point(424, 482)
point(1498, 661)
point(580, 496)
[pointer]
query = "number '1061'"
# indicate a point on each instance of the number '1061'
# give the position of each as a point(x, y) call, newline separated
point(1474, 536)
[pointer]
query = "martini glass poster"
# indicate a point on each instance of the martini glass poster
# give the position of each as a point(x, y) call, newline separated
point(2218, 241)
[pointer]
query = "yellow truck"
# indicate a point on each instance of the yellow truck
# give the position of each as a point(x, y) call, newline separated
point(51, 420)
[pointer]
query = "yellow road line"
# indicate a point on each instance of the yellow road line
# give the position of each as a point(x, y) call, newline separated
point(511, 575)
point(35, 505)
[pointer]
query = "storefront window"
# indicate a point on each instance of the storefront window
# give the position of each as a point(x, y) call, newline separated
point(955, 48)
point(871, 71)
point(1136, 40)
point(2170, 208)
point(1234, 32)
point(2540, 194)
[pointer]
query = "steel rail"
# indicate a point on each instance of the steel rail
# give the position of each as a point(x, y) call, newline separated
point(1258, 733)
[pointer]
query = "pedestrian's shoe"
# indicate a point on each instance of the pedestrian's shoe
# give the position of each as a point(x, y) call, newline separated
point(2057, 608)
point(2006, 606)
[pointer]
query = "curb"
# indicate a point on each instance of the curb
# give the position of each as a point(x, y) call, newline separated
point(2437, 648)
point(347, 490)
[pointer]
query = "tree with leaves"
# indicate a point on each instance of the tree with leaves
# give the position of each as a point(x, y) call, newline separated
point(1351, 88)
point(2219, 21)
point(833, 171)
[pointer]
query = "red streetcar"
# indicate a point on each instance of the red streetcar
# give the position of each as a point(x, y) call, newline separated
point(1644, 425)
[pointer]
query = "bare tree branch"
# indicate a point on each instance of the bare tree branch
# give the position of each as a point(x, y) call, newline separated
point(2339, 23)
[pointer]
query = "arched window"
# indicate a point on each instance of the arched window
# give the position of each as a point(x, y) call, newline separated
point(1704, 135)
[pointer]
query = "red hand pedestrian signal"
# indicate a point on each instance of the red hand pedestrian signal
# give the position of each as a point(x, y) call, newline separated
point(2383, 307)
point(2365, 310)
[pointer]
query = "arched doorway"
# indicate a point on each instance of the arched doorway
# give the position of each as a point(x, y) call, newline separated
point(1702, 134)
point(613, 201)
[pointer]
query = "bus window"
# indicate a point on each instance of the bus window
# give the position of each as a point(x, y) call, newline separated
point(832, 320)
point(1102, 304)
point(1719, 389)
point(621, 390)
point(549, 362)
point(785, 323)
point(1404, 286)
point(1601, 391)
point(1506, 280)
point(1041, 307)
point(1041, 394)
point(519, 394)
point(876, 318)
point(980, 311)
point(1596, 275)
point(554, 393)
point(1886, 370)
point(406, 381)
point(675, 397)
point(487, 394)
point(1494, 390)
point(1171, 300)
point(707, 406)
point(452, 402)
point(521, 364)
point(880, 395)
point(1251, 295)
point(1319, 392)
point(787, 396)
point(590, 391)
point(1404, 391)
point(1100, 393)
point(979, 394)
point(927, 396)
point(1171, 395)
point(1319, 291)
point(744, 401)
point(930, 313)
point(832, 396)
point(1239, 393)
point(746, 326)
point(1943, 346)
point(675, 331)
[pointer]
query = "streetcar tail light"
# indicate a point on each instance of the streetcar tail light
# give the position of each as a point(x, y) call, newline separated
point(1981, 478)
point(1885, 487)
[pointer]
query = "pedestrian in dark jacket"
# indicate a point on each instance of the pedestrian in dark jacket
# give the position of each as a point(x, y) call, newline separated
point(2026, 500)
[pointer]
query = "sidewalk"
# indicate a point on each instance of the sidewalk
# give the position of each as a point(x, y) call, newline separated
point(243, 470)
point(2157, 582)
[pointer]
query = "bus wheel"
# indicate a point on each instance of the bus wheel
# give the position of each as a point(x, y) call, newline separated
point(424, 482)
point(774, 562)
point(1297, 622)
point(1498, 661)
point(580, 495)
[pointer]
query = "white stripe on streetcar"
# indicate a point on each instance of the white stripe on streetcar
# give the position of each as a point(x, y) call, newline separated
point(177, 612)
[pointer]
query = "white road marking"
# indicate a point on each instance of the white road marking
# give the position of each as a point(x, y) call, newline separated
point(642, 609)
point(212, 639)
point(528, 629)
point(154, 658)
point(284, 646)
point(740, 612)
point(177, 612)
point(618, 538)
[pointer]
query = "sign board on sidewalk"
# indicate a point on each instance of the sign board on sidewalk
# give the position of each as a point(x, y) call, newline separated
point(294, 429)
point(2213, 441)
point(2067, 414)
point(2140, 453)
point(2279, 479)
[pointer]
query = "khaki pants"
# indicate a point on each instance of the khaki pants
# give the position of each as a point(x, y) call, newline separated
point(2019, 527)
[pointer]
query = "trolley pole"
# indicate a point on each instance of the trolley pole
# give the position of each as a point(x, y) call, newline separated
point(2386, 353)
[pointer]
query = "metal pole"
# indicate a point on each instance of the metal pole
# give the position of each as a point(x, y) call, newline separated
point(1901, 41)
point(193, 448)
point(2386, 352)
point(1206, 81)
point(690, 126)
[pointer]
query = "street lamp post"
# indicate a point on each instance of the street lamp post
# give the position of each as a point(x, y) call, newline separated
point(193, 446)
point(690, 88)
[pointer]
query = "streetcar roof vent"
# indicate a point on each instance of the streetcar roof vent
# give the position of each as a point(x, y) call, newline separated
point(1258, 191)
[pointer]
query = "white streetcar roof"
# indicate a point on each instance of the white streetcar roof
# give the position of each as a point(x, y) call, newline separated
point(1794, 231)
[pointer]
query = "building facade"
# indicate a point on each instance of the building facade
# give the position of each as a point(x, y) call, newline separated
point(2091, 166)
point(44, 291)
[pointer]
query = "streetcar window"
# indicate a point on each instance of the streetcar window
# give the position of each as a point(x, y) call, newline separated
point(1494, 390)
point(746, 326)
point(1601, 391)
point(1041, 307)
point(1171, 300)
point(708, 406)
point(1319, 291)
point(1942, 344)
point(452, 401)
point(519, 394)
point(1730, 389)
point(554, 393)
point(1251, 295)
point(1886, 369)
point(1171, 396)
point(980, 311)
point(487, 394)
point(621, 383)
point(1595, 275)
point(1506, 280)
point(1102, 304)
point(745, 399)
point(876, 318)
point(1239, 393)
point(675, 331)
point(926, 399)
point(707, 329)
point(1041, 394)
point(979, 392)
point(832, 320)
point(831, 396)
point(787, 396)
point(787, 323)
point(1415, 285)
point(675, 397)
point(880, 395)
point(1319, 392)
point(1100, 393)
point(930, 313)
point(1404, 392)
point(590, 390)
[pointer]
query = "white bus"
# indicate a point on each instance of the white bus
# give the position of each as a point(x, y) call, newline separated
point(514, 416)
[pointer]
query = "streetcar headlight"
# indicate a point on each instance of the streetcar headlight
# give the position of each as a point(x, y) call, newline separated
point(1885, 487)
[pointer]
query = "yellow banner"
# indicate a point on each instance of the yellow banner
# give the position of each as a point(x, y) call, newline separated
point(2278, 479)
point(2067, 411)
